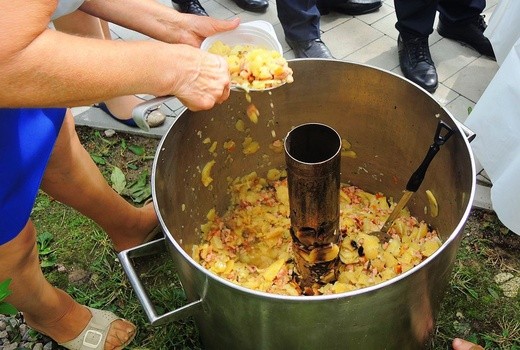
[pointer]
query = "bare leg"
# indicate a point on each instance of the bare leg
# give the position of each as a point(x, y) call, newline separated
point(47, 309)
point(82, 24)
point(460, 344)
point(74, 179)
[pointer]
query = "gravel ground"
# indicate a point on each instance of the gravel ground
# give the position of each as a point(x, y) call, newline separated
point(15, 335)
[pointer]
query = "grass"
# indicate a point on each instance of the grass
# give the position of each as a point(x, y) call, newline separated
point(88, 269)
point(474, 307)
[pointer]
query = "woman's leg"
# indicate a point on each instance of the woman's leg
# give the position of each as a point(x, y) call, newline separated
point(45, 308)
point(74, 179)
point(82, 24)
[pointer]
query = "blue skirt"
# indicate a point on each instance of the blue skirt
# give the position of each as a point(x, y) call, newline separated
point(27, 137)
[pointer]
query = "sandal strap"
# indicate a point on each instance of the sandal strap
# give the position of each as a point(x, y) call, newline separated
point(140, 111)
point(95, 333)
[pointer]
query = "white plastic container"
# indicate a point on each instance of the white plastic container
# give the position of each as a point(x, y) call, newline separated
point(256, 33)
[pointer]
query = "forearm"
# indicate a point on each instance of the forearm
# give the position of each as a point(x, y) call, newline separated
point(74, 71)
point(148, 17)
point(40, 67)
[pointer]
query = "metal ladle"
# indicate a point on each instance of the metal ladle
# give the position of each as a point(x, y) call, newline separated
point(240, 88)
point(415, 180)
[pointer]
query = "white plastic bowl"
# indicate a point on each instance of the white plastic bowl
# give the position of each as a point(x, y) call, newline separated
point(256, 33)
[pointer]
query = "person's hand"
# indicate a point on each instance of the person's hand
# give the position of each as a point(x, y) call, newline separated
point(192, 30)
point(460, 344)
point(159, 21)
point(203, 81)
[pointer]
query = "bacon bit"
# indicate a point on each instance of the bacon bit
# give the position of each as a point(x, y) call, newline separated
point(230, 146)
point(231, 276)
point(359, 223)
point(276, 146)
point(282, 277)
point(251, 268)
point(244, 204)
point(210, 256)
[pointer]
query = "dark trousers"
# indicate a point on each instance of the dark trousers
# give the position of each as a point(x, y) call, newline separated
point(300, 19)
point(416, 17)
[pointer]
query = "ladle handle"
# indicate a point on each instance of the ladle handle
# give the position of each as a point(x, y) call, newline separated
point(440, 138)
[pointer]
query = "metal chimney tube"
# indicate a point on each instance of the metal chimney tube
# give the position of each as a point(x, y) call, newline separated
point(313, 154)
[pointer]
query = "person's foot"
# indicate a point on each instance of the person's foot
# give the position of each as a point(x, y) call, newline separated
point(70, 326)
point(349, 7)
point(253, 5)
point(121, 108)
point(190, 6)
point(309, 49)
point(416, 62)
point(470, 32)
point(460, 344)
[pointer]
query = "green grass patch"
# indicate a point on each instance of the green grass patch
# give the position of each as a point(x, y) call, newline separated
point(475, 308)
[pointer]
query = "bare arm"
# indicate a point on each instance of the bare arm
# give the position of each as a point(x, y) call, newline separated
point(42, 67)
point(157, 20)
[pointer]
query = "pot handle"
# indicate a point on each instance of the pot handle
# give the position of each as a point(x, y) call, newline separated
point(152, 248)
point(141, 110)
point(470, 135)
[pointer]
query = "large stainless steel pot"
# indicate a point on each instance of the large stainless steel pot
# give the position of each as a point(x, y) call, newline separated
point(389, 122)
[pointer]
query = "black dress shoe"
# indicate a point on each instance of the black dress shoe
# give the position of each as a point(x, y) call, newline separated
point(191, 6)
point(349, 7)
point(253, 5)
point(469, 32)
point(309, 49)
point(416, 62)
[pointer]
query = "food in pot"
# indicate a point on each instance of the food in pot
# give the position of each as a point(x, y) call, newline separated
point(253, 67)
point(249, 146)
point(250, 244)
point(206, 173)
point(346, 149)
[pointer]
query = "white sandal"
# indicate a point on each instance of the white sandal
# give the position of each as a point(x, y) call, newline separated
point(95, 333)
point(142, 113)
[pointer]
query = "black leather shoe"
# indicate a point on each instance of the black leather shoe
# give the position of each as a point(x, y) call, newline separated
point(349, 7)
point(416, 62)
point(310, 49)
point(191, 6)
point(253, 5)
point(469, 32)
